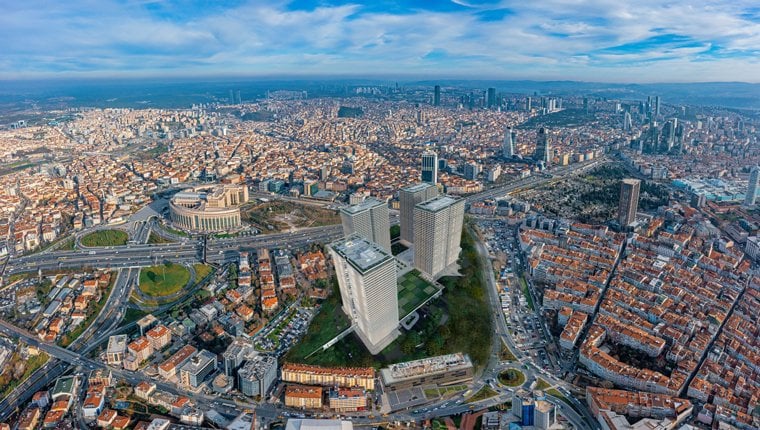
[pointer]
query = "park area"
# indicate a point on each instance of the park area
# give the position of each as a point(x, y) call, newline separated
point(274, 216)
point(163, 280)
point(446, 324)
point(105, 238)
point(412, 292)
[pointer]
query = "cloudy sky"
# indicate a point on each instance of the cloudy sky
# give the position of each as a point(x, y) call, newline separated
point(595, 40)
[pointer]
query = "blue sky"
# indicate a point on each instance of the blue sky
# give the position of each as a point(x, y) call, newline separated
point(595, 40)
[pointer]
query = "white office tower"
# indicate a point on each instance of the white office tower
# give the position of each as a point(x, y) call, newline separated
point(369, 219)
point(367, 279)
point(437, 233)
point(408, 197)
point(754, 181)
point(508, 147)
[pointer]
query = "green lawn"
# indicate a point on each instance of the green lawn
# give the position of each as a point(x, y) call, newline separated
point(105, 238)
point(155, 238)
point(512, 378)
point(328, 323)
point(506, 354)
point(201, 271)
point(133, 315)
point(412, 291)
point(541, 384)
point(484, 393)
point(163, 280)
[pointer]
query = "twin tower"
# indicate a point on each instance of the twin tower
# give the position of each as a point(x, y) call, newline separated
point(431, 225)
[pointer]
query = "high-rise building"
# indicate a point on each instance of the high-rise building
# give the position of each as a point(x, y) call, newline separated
point(367, 280)
point(437, 95)
point(627, 121)
point(508, 147)
point(543, 151)
point(471, 170)
point(408, 197)
point(491, 98)
point(657, 106)
point(195, 370)
point(528, 104)
point(754, 181)
point(437, 233)
point(370, 220)
point(430, 167)
point(629, 201)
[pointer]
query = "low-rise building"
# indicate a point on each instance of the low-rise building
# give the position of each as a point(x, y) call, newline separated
point(347, 399)
point(329, 376)
point(303, 396)
point(441, 370)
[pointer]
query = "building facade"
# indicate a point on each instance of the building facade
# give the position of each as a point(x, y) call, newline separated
point(369, 219)
point(430, 167)
point(629, 201)
point(215, 209)
point(508, 146)
point(329, 376)
point(543, 153)
point(367, 280)
point(437, 233)
point(257, 375)
point(408, 197)
point(754, 182)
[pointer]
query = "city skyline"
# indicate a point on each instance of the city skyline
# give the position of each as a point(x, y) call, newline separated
point(602, 41)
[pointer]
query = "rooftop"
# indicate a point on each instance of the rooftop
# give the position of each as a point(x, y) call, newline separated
point(417, 187)
point(361, 253)
point(198, 362)
point(438, 203)
point(308, 424)
point(363, 206)
point(426, 366)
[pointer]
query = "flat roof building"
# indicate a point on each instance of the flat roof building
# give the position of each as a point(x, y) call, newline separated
point(257, 375)
point(437, 233)
point(408, 197)
point(195, 370)
point(367, 279)
point(369, 219)
point(440, 370)
point(117, 347)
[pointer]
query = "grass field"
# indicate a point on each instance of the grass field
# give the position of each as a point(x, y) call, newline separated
point(163, 280)
point(155, 238)
point(412, 291)
point(541, 384)
point(201, 271)
point(105, 238)
point(526, 292)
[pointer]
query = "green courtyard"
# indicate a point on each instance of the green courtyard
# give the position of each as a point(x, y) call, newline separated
point(163, 280)
point(412, 292)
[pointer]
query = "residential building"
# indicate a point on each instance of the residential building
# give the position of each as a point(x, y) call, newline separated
point(367, 280)
point(369, 219)
point(437, 233)
point(408, 197)
point(303, 396)
point(347, 399)
point(329, 376)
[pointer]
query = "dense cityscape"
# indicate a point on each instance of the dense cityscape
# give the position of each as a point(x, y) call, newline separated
point(397, 257)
